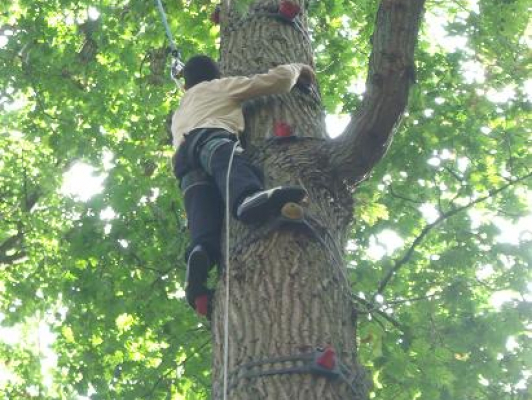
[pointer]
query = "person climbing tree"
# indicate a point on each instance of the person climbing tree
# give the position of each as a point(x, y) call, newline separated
point(205, 129)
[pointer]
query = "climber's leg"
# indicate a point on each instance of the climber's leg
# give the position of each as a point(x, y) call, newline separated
point(204, 208)
point(248, 201)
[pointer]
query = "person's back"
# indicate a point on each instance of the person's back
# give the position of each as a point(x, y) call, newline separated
point(208, 105)
point(214, 102)
point(205, 129)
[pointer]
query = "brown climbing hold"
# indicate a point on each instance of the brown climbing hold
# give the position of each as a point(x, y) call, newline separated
point(292, 211)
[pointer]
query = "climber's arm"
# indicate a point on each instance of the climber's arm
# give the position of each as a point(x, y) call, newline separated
point(278, 80)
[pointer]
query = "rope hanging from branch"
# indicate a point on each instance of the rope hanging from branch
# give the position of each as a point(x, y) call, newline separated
point(177, 65)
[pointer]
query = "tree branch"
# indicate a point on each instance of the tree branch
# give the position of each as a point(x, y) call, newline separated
point(10, 242)
point(391, 72)
point(403, 197)
point(10, 245)
point(428, 228)
point(10, 259)
point(5, 28)
point(370, 309)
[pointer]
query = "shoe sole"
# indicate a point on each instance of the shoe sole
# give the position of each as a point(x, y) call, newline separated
point(268, 205)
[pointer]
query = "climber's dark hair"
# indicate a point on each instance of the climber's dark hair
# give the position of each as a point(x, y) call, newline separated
point(199, 69)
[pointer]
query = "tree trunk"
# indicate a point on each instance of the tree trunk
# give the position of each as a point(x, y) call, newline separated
point(289, 292)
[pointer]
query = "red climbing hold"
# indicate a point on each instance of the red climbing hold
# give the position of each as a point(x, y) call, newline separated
point(289, 9)
point(282, 129)
point(327, 359)
point(202, 305)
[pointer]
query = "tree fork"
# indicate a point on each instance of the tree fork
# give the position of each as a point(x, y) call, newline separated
point(391, 72)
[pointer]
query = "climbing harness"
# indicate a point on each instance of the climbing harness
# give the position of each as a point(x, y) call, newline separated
point(321, 362)
point(209, 149)
point(196, 177)
point(176, 68)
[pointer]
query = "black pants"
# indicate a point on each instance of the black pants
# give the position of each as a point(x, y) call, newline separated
point(205, 201)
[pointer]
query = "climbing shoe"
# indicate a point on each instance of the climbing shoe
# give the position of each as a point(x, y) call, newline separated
point(196, 293)
point(259, 206)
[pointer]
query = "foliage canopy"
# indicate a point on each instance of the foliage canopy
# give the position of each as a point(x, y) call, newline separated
point(439, 258)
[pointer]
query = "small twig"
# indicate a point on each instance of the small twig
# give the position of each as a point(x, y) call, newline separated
point(370, 310)
point(411, 300)
point(428, 228)
point(10, 242)
point(403, 197)
point(439, 193)
point(5, 259)
point(161, 274)
point(181, 364)
point(453, 174)
point(5, 28)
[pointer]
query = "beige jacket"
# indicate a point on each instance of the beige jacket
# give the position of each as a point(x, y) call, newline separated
point(218, 103)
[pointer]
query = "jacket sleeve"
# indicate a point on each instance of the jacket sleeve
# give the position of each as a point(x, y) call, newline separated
point(278, 80)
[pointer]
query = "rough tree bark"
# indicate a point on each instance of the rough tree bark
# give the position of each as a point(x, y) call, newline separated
point(289, 291)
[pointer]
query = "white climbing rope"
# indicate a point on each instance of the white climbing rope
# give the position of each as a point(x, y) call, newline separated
point(227, 270)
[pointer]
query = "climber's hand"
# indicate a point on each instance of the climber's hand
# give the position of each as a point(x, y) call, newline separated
point(307, 76)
